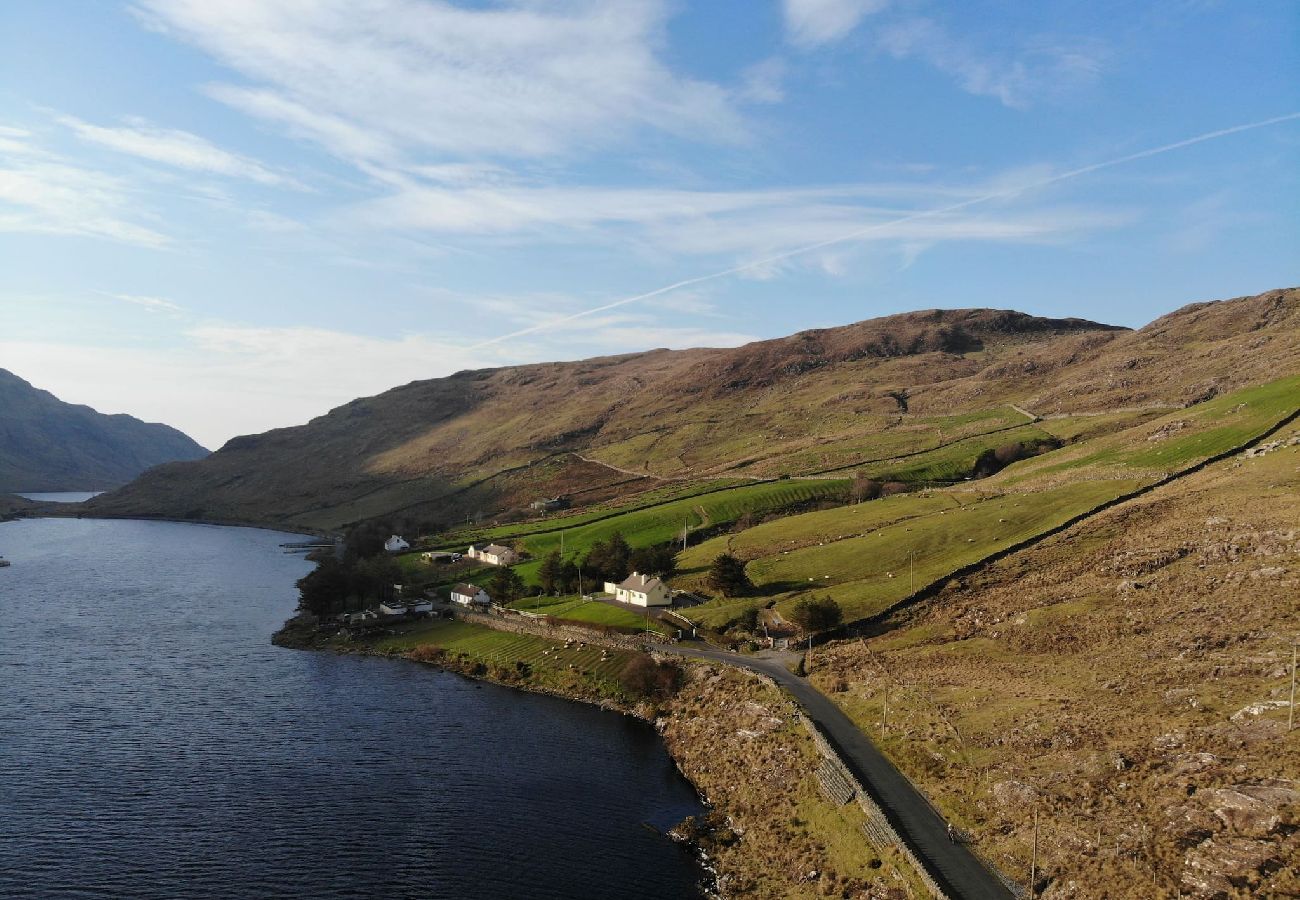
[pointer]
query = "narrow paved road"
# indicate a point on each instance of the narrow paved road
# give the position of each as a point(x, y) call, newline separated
point(952, 865)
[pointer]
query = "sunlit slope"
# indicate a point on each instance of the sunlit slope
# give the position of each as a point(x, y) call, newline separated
point(876, 394)
point(872, 555)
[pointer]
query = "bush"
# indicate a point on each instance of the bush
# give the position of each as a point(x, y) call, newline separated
point(646, 679)
point(813, 614)
point(428, 653)
point(727, 576)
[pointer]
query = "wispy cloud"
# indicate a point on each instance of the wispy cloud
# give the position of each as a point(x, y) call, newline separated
point(709, 223)
point(1039, 68)
point(406, 80)
point(41, 193)
point(152, 304)
point(811, 23)
point(180, 149)
point(774, 261)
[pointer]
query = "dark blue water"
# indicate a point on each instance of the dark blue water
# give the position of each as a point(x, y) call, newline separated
point(153, 743)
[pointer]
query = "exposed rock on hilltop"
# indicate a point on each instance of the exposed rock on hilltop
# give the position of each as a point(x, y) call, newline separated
point(49, 445)
point(488, 440)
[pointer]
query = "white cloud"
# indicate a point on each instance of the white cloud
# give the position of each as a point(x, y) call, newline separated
point(152, 304)
point(392, 81)
point(173, 148)
point(1039, 69)
point(741, 224)
point(811, 23)
point(42, 194)
point(764, 81)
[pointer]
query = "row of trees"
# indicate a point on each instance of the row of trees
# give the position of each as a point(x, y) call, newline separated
point(336, 585)
point(611, 560)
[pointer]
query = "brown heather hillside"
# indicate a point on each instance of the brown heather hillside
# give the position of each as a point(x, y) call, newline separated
point(487, 441)
point(1128, 679)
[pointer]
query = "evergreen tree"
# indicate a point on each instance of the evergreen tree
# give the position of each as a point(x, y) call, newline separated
point(618, 559)
point(727, 576)
point(659, 560)
point(505, 586)
point(324, 589)
point(550, 574)
point(569, 577)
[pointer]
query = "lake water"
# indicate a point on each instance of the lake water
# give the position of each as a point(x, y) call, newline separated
point(153, 743)
point(63, 496)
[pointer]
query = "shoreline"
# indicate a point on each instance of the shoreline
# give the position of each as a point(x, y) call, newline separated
point(710, 886)
point(770, 826)
point(47, 513)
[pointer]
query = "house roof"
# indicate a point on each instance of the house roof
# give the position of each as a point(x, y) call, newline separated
point(640, 583)
point(467, 590)
point(495, 549)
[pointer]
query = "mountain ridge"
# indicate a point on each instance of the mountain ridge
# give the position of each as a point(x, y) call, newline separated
point(47, 444)
point(485, 441)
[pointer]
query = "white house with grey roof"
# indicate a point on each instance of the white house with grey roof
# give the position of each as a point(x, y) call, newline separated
point(642, 590)
point(470, 595)
point(493, 554)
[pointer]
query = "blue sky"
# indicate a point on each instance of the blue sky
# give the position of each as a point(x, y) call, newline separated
point(234, 216)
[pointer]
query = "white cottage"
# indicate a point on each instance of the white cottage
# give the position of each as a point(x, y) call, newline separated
point(393, 608)
point(643, 590)
point(470, 595)
point(396, 544)
point(493, 554)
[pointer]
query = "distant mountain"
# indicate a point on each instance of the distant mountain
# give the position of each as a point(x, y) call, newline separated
point(487, 442)
point(49, 445)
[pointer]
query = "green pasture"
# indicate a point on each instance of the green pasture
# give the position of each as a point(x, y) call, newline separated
point(505, 648)
point(870, 572)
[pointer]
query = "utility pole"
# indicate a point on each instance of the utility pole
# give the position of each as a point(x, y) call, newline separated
point(884, 715)
point(911, 571)
point(1290, 717)
point(1033, 863)
point(685, 520)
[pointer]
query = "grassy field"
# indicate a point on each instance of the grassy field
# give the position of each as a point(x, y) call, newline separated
point(645, 527)
point(677, 491)
point(503, 648)
point(860, 554)
point(868, 569)
point(1174, 441)
point(575, 609)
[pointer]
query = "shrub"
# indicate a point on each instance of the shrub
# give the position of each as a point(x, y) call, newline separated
point(813, 614)
point(428, 653)
point(647, 679)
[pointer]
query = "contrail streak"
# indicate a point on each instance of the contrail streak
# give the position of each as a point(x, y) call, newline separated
point(911, 217)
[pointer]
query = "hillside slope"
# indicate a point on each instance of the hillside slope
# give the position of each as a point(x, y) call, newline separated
point(49, 445)
point(1127, 680)
point(482, 442)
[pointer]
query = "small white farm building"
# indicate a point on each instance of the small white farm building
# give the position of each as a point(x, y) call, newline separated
point(396, 544)
point(470, 595)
